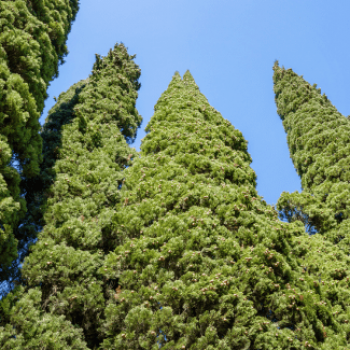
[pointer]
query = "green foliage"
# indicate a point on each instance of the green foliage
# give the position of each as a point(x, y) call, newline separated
point(36, 329)
point(77, 190)
point(17, 137)
point(318, 139)
point(33, 40)
point(35, 187)
point(196, 258)
point(32, 44)
point(193, 237)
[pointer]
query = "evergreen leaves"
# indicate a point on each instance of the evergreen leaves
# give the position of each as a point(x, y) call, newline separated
point(77, 190)
point(174, 248)
point(202, 261)
point(32, 44)
point(318, 139)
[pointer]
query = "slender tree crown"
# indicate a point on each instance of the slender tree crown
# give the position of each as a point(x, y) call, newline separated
point(85, 147)
point(33, 40)
point(32, 43)
point(202, 261)
point(319, 144)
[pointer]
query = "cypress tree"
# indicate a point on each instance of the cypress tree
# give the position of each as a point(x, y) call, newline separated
point(86, 138)
point(33, 41)
point(318, 139)
point(32, 44)
point(202, 261)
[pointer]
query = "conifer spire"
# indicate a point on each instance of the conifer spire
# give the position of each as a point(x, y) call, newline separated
point(318, 139)
point(85, 146)
point(188, 77)
point(202, 261)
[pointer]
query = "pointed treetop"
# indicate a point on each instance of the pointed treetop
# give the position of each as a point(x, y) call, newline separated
point(188, 77)
point(176, 78)
point(293, 93)
point(185, 92)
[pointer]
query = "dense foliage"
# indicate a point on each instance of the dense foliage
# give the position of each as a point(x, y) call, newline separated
point(85, 151)
point(318, 139)
point(32, 44)
point(172, 247)
point(202, 261)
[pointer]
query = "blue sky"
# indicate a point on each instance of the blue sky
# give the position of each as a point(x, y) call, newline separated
point(230, 47)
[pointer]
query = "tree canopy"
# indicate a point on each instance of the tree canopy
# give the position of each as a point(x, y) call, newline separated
point(171, 247)
point(85, 147)
point(318, 139)
point(202, 261)
point(33, 38)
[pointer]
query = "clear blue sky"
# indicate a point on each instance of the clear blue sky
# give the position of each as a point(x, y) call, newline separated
point(230, 47)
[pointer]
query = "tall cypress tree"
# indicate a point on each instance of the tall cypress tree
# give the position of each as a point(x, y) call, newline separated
point(318, 139)
point(86, 148)
point(202, 261)
point(33, 40)
point(32, 44)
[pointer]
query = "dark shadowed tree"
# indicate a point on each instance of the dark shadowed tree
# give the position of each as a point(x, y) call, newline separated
point(33, 38)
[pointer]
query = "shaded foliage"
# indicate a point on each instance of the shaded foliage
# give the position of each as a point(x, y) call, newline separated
point(32, 44)
point(85, 150)
point(319, 143)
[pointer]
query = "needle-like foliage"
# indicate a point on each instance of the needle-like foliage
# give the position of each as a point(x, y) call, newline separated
point(33, 38)
point(319, 143)
point(86, 149)
point(202, 261)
